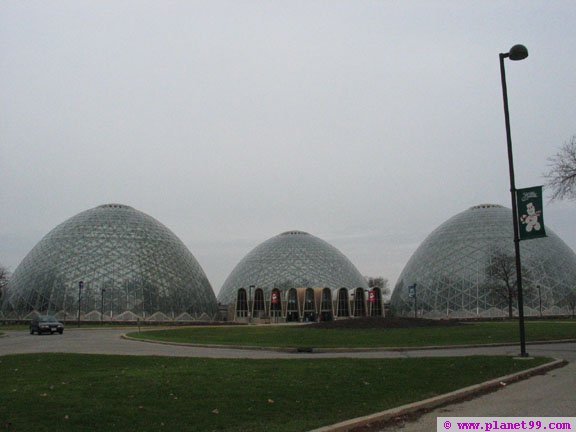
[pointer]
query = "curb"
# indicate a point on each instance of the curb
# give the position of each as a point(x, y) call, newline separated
point(238, 347)
point(342, 350)
point(436, 401)
point(436, 347)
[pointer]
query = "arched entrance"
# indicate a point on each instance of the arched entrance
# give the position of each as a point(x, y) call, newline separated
point(343, 306)
point(309, 306)
point(259, 305)
point(292, 313)
point(241, 304)
point(375, 302)
point(359, 303)
point(326, 305)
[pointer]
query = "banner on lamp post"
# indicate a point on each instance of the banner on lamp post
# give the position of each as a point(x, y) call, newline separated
point(530, 213)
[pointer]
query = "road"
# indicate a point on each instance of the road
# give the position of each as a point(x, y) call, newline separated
point(109, 341)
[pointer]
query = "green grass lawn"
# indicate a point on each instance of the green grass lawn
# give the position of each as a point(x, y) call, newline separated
point(13, 327)
point(304, 336)
point(75, 392)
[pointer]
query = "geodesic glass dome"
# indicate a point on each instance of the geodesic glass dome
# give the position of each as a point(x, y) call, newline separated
point(451, 269)
point(132, 267)
point(293, 259)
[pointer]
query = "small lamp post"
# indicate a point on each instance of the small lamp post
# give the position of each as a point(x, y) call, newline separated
point(250, 302)
point(102, 305)
point(517, 52)
point(539, 298)
point(413, 294)
point(291, 307)
point(80, 286)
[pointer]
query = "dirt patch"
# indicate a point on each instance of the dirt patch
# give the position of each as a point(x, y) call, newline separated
point(363, 323)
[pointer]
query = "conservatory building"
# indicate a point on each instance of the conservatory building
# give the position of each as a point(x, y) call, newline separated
point(110, 263)
point(465, 269)
point(296, 276)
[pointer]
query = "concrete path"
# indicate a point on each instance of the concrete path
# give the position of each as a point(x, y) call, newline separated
point(553, 394)
point(550, 395)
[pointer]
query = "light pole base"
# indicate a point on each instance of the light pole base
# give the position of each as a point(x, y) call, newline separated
point(523, 357)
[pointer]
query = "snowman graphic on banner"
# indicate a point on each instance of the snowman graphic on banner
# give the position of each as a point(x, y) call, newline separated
point(530, 219)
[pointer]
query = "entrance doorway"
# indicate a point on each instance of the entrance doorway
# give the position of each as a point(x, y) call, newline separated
point(309, 306)
point(359, 303)
point(343, 308)
point(326, 305)
point(292, 313)
point(242, 304)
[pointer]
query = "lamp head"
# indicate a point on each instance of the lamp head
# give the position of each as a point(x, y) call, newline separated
point(518, 52)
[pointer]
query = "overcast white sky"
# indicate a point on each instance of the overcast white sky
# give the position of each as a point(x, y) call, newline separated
point(365, 123)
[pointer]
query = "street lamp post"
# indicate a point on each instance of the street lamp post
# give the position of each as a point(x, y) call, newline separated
point(412, 293)
point(250, 302)
point(539, 298)
point(517, 52)
point(80, 286)
point(367, 294)
point(102, 305)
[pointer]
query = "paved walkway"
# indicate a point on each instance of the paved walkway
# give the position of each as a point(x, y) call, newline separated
point(553, 394)
point(550, 395)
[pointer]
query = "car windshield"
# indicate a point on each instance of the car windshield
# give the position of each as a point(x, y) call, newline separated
point(47, 318)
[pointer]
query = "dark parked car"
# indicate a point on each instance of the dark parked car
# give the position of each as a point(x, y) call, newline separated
point(46, 324)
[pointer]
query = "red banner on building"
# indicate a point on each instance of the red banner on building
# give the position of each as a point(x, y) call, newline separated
point(372, 296)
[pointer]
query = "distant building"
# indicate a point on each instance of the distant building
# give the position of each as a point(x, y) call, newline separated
point(296, 276)
point(449, 272)
point(131, 266)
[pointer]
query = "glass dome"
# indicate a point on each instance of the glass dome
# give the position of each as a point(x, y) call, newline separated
point(293, 259)
point(451, 269)
point(132, 267)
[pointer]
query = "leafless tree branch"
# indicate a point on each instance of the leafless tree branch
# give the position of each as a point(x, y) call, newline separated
point(561, 177)
point(4, 274)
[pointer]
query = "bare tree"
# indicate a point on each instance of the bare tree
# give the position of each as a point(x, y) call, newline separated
point(501, 278)
point(4, 275)
point(378, 282)
point(571, 302)
point(561, 178)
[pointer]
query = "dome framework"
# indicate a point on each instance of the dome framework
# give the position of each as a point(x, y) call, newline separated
point(296, 276)
point(453, 270)
point(131, 266)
